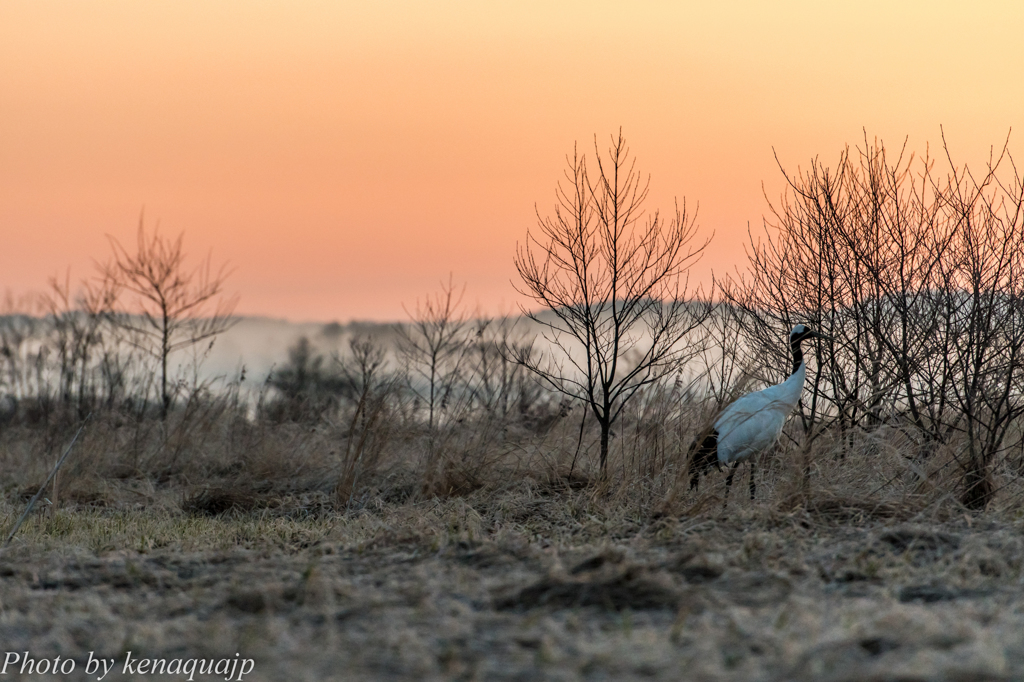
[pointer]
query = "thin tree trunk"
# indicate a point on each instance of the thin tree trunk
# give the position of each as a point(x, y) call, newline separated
point(165, 350)
point(605, 429)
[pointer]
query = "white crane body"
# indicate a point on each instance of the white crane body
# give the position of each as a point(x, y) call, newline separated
point(752, 423)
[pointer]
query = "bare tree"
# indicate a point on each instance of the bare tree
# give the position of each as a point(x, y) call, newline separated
point(613, 286)
point(173, 307)
point(433, 345)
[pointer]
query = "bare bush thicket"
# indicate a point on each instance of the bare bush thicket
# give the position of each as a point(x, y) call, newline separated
point(916, 277)
point(21, 352)
point(497, 385)
point(461, 375)
point(61, 355)
point(307, 390)
point(81, 331)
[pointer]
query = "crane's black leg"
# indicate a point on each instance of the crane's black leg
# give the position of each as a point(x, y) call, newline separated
point(753, 485)
point(728, 483)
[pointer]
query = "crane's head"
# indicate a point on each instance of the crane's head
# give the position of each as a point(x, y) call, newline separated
point(801, 332)
point(798, 335)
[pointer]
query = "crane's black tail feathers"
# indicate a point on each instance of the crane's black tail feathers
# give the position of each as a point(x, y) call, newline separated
point(703, 454)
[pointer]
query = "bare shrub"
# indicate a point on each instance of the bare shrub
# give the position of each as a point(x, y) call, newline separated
point(373, 390)
point(433, 347)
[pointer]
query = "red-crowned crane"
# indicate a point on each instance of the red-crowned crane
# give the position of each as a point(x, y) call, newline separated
point(752, 423)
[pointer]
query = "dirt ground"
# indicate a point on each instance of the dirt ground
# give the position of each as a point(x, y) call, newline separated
point(520, 586)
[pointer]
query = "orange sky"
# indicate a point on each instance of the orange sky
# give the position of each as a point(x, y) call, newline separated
point(345, 157)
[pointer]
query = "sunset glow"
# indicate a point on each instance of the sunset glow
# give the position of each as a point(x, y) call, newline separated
point(346, 157)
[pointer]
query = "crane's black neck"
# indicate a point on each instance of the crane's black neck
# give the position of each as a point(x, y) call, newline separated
point(798, 353)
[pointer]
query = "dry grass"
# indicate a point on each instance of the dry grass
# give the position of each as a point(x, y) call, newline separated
point(505, 560)
point(522, 583)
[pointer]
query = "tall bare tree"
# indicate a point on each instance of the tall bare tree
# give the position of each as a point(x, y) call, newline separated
point(612, 284)
point(173, 307)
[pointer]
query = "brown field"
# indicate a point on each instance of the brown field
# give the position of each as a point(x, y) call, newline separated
point(526, 574)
